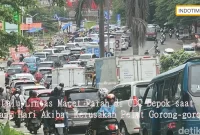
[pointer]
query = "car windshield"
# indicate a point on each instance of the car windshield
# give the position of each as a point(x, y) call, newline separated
point(16, 65)
point(26, 92)
point(85, 57)
point(75, 51)
point(60, 48)
point(28, 77)
point(46, 65)
point(70, 45)
point(188, 49)
point(24, 84)
point(40, 55)
point(140, 90)
point(78, 40)
point(14, 71)
point(49, 51)
point(52, 58)
point(194, 80)
point(82, 96)
point(150, 30)
point(29, 60)
point(169, 52)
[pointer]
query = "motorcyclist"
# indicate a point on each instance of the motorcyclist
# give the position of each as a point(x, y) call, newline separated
point(38, 76)
point(146, 52)
point(55, 97)
point(21, 57)
point(17, 100)
point(102, 93)
point(34, 104)
point(3, 98)
point(10, 61)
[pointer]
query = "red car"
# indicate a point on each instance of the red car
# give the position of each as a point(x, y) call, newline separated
point(21, 65)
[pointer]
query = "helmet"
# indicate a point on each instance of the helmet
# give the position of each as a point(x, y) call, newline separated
point(34, 94)
point(17, 91)
point(109, 97)
point(102, 93)
point(57, 90)
point(1, 89)
point(61, 85)
point(31, 93)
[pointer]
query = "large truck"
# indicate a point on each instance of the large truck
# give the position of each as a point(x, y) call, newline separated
point(69, 76)
point(111, 71)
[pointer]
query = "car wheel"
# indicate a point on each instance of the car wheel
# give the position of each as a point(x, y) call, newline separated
point(123, 129)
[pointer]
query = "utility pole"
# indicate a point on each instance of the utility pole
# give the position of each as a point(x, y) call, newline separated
point(108, 24)
point(101, 29)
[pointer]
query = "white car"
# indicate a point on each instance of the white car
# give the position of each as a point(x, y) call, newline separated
point(62, 48)
point(189, 48)
point(26, 89)
point(42, 55)
point(88, 58)
point(168, 51)
point(22, 76)
point(51, 51)
point(124, 44)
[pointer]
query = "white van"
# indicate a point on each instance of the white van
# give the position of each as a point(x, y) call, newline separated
point(189, 48)
point(82, 40)
point(128, 96)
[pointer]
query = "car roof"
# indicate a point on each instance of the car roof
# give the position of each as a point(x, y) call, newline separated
point(23, 74)
point(16, 81)
point(60, 46)
point(14, 68)
point(78, 88)
point(134, 83)
point(41, 53)
point(77, 48)
point(33, 86)
point(50, 49)
point(85, 54)
point(188, 46)
point(31, 57)
point(74, 61)
point(21, 63)
point(169, 50)
point(47, 62)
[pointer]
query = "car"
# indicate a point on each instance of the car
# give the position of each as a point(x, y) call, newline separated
point(124, 44)
point(127, 94)
point(42, 55)
point(72, 45)
point(46, 80)
point(33, 63)
point(88, 58)
point(52, 51)
point(79, 95)
point(59, 59)
point(189, 48)
point(10, 72)
point(45, 70)
point(151, 33)
point(22, 65)
point(50, 64)
point(168, 51)
point(44, 94)
point(62, 48)
point(26, 89)
point(19, 83)
point(77, 51)
point(21, 76)
point(81, 41)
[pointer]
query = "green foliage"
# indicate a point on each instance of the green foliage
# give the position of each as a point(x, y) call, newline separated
point(6, 130)
point(165, 11)
point(119, 8)
point(174, 60)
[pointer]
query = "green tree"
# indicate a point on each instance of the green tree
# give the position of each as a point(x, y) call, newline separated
point(119, 8)
point(79, 17)
point(174, 60)
point(136, 16)
point(8, 40)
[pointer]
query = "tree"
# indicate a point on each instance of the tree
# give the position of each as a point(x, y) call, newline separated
point(137, 15)
point(12, 39)
point(78, 18)
point(174, 60)
point(119, 8)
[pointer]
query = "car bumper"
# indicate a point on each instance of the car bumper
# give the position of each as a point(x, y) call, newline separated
point(78, 123)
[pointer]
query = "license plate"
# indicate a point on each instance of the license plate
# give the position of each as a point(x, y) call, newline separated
point(60, 125)
point(34, 121)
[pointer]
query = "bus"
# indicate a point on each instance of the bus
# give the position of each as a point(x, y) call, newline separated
point(170, 105)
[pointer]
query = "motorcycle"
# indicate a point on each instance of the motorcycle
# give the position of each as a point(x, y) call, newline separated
point(17, 115)
point(157, 51)
point(34, 123)
point(108, 127)
point(162, 41)
point(170, 35)
point(177, 35)
point(59, 127)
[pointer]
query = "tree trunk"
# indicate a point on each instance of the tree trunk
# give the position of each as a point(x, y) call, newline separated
point(101, 30)
point(135, 46)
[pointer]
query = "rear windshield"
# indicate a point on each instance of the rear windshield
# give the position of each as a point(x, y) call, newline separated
point(82, 96)
point(45, 71)
point(85, 57)
point(28, 90)
point(14, 71)
point(75, 51)
point(46, 65)
point(52, 58)
point(16, 65)
point(140, 90)
point(78, 40)
point(44, 96)
point(24, 84)
point(60, 48)
point(29, 60)
point(40, 55)
point(151, 30)
point(188, 49)
point(194, 85)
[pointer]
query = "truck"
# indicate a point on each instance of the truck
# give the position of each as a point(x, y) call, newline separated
point(114, 70)
point(69, 76)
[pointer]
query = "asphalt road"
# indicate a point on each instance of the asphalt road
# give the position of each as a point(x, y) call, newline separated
point(170, 43)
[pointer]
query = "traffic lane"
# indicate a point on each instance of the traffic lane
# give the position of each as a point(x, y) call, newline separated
point(40, 131)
